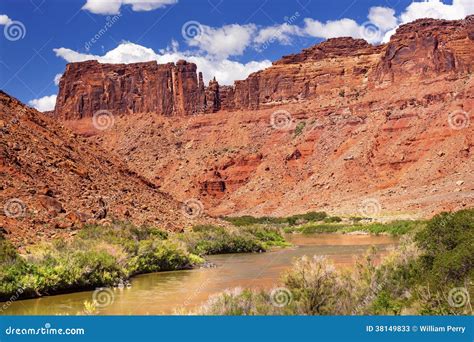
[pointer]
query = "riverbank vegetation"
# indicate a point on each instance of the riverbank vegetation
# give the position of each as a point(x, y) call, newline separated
point(395, 228)
point(434, 254)
point(431, 273)
point(109, 255)
point(321, 222)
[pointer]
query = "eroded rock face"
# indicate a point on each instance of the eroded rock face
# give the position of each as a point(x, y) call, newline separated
point(365, 123)
point(336, 67)
point(167, 89)
point(427, 48)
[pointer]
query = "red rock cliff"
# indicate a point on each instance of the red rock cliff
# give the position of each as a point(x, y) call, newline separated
point(343, 67)
point(168, 89)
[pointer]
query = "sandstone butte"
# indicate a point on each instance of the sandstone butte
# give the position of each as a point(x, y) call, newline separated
point(346, 127)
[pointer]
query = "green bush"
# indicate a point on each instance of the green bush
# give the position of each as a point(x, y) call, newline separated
point(8, 253)
point(448, 245)
point(312, 216)
point(396, 228)
point(433, 259)
point(332, 219)
point(156, 256)
point(299, 128)
point(250, 220)
point(219, 240)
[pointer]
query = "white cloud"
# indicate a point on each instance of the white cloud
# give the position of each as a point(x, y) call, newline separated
point(332, 29)
point(4, 19)
point(225, 41)
point(113, 6)
point(226, 71)
point(281, 33)
point(44, 104)
point(383, 17)
point(216, 45)
point(435, 9)
point(57, 78)
point(382, 22)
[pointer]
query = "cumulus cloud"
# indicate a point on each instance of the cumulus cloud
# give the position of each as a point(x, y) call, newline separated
point(225, 41)
point(381, 24)
point(106, 7)
point(4, 19)
point(225, 70)
point(331, 29)
point(44, 104)
point(213, 46)
point(380, 20)
point(383, 17)
point(282, 33)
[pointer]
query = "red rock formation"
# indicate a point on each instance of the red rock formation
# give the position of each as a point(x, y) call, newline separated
point(336, 66)
point(427, 48)
point(167, 89)
point(364, 122)
point(212, 97)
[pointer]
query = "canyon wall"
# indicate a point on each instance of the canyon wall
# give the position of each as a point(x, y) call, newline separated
point(336, 67)
point(365, 129)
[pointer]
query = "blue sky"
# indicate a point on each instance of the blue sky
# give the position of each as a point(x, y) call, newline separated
point(226, 38)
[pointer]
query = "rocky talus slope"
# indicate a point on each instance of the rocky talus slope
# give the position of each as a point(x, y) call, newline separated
point(342, 126)
point(53, 181)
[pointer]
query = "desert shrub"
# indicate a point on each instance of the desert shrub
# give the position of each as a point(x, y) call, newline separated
point(332, 219)
point(269, 236)
point(219, 240)
point(313, 283)
point(205, 228)
point(55, 273)
point(299, 128)
point(250, 220)
point(395, 228)
point(8, 253)
point(239, 302)
point(448, 247)
point(356, 219)
point(313, 216)
point(208, 239)
point(120, 231)
point(156, 256)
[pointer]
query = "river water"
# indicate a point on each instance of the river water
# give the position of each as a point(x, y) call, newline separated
point(181, 291)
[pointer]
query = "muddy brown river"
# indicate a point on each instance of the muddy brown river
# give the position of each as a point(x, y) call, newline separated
point(181, 291)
